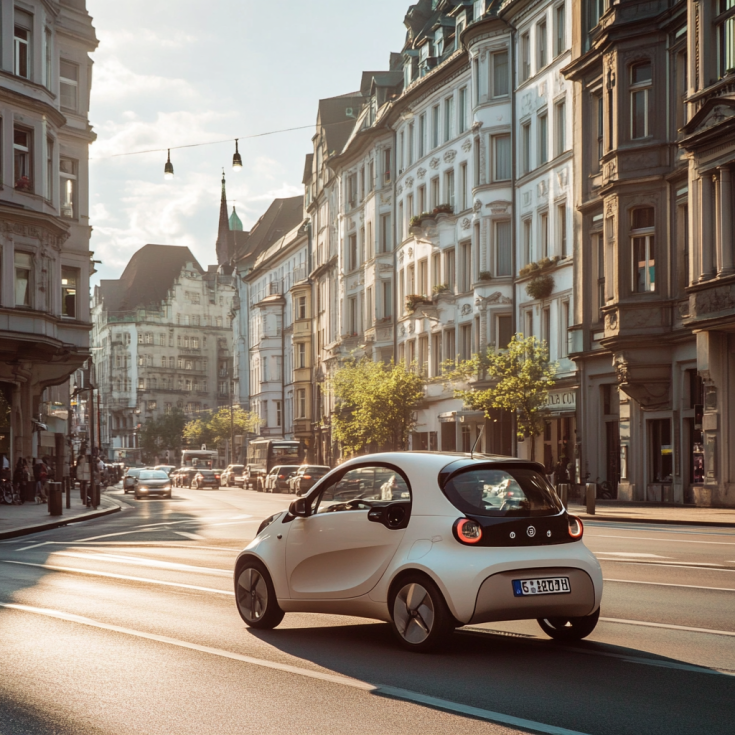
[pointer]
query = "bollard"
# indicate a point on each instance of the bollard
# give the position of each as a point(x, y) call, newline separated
point(54, 498)
point(563, 490)
point(591, 497)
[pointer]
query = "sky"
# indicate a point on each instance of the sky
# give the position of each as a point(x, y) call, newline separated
point(177, 72)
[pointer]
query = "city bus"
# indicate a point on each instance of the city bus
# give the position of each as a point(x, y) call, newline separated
point(265, 454)
point(203, 459)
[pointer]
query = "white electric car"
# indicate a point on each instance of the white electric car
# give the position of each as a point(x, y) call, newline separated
point(429, 542)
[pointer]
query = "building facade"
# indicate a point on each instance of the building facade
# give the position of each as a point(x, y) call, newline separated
point(162, 336)
point(44, 208)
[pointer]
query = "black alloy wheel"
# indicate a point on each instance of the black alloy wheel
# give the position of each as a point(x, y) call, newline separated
point(256, 596)
point(569, 629)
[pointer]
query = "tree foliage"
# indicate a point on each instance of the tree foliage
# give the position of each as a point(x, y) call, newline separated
point(162, 433)
point(376, 403)
point(213, 428)
point(520, 376)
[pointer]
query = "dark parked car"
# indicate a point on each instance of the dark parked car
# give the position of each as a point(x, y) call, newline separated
point(276, 481)
point(152, 482)
point(184, 476)
point(306, 476)
point(130, 477)
point(205, 478)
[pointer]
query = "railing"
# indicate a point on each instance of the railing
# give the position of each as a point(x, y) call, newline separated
point(299, 273)
point(274, 288)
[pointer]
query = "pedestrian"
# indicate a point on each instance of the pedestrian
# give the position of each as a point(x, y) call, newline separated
point(40, 475)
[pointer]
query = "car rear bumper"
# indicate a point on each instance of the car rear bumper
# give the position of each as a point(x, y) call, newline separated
point(496, 601)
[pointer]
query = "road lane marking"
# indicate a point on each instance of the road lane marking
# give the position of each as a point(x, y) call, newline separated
point(662, 540)
point(142, 562)
point(386, 691)
point(667, 626)
point(110, 575)
point(631, 554)
point(698, 566)
point(35, 546)
point(193, 536)
point(670, 584)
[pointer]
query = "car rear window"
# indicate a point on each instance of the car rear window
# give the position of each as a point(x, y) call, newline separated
point(206, 473)
point(153, 475)
point(511, 492)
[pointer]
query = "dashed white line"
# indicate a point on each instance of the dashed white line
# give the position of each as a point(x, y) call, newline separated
point(193, 536)
point(666, 626)
point(140, 562)
point(670, 584)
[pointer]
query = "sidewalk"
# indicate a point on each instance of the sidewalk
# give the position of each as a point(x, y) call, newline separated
point(611, 510)
point(20, 520)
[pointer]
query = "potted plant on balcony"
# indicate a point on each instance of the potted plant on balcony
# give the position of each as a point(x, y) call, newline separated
point(440, 288)
point(427, 219)
point(443, 210)
point(415, 224)
point(541, 286)
point(485, 275)
point(414, 300)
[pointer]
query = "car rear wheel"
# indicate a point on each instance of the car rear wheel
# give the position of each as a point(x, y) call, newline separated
point(570, 629)
point(420, 617)
point(256, 597)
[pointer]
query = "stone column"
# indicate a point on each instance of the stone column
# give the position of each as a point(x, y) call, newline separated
point(706, 230)
point(727, 245)
point(716, 229)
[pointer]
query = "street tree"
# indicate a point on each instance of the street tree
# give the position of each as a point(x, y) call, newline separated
point(520, 378)
point(375, 405)
point(214, 427)
point(162, 433)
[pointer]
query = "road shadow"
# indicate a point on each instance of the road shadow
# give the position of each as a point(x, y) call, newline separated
point(590, 687)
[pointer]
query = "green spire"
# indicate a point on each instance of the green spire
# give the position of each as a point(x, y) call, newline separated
point(235, 222)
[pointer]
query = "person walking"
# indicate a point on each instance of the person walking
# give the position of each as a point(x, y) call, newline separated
point(40, 475)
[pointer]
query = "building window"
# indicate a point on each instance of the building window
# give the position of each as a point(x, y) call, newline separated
point(435, 126)
point(279, 410)
point(529, 323)
point(68, 177)
point(503, 248)
point(449, 268)
point(544, 234)
point(560, 42)
point(504, 331)
point(725, 23)
point(644, 258)
point(301, 307)
point(541, 45)
point(436, 354)
point(500, 74)
point(527, 243)
point(448, 119)
point(463, 110)
point(411, 143)
point(546, 325)
point(641, 79)
point(23, 34)
point(501, 158)
point(69, 285)
point(387, 166)
point(561, 127)
point(525, 56)
point(561, 228)
point(600, 128)
point(352, 251)
point(526, 147)
point(387, 299)
point(69, 85)
point(465, 274)
point(662, 450)
point(564, 352)
point(301, 403)
point(463, 187)
point(598, 243)
point(23, 271)
point(543, 139)
point(23, 155)
point(385, 234)
point(465, 341)
point(449, 188)
point(301, 355)
point(434, 193)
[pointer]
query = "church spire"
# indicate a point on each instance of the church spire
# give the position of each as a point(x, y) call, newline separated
point(223, 246)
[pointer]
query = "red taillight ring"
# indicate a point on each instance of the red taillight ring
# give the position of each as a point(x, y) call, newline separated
point(461, 531)
point(580, 527)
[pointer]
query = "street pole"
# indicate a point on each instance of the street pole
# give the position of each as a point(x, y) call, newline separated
point(93, 465)
point(232, 424)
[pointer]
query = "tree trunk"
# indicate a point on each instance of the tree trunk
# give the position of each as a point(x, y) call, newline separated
point(533, 447)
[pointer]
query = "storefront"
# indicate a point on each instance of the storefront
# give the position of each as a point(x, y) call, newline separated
point(556, 447)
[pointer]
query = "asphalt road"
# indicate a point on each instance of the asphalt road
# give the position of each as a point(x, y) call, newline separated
point(128, 625)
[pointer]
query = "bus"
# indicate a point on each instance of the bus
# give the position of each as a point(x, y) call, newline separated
point(203, 459)
point(265, 454)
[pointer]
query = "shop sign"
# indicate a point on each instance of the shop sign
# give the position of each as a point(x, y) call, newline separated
point(561, 401)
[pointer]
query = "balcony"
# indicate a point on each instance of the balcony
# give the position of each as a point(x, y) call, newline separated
point(300, 274)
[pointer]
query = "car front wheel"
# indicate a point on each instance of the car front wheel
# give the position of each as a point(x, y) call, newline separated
point(420, 617)
point(256, 596)
point(569, 629)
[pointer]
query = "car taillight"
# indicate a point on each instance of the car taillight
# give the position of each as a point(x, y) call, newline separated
point(576, 529)
point(467, 531)
point(281, 477)
point(306, 477)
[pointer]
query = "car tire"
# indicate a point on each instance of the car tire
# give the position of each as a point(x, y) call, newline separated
point(569, 629)
point(255, 595)
point(420, 617)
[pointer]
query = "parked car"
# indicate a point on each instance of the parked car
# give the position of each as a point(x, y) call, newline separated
point(167, 468)
point(228, 476)
point(432, 542)
point(276, 481)
point(303, 480)
point(184, 476)
point(205, 478)
point(152, 482)
point(130, 477)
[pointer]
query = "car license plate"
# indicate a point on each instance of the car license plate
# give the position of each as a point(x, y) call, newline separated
point(547, 586)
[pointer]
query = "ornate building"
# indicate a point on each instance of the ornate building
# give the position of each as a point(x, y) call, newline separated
point(44, 207)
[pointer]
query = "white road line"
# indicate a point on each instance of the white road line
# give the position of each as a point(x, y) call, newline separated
point(662, 540)
point(670, 584)
point(145, 544)
point(73, 570)
point(35, 546)
point(631, 554)
point(140, 562)
point(193, 536)
point(387, 691)
point(686, 628)
point(698, 566)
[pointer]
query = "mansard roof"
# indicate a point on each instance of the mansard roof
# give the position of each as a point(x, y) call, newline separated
point(280, 218)
point(147, 278)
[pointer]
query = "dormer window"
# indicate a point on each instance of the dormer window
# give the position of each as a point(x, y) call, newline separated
point(439, 41)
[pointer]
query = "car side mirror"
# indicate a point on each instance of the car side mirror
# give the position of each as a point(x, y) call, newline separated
point(299, 508)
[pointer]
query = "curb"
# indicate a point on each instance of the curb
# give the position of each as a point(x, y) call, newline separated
point(659, 521)
point(50, 525)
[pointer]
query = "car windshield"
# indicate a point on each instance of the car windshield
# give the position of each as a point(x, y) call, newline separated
point(206, 473)
point(314, 470)
point(133, 473)
point(153, 475)
point(497, 492)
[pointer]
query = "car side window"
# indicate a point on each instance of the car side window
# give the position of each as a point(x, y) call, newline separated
point(360, 489)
